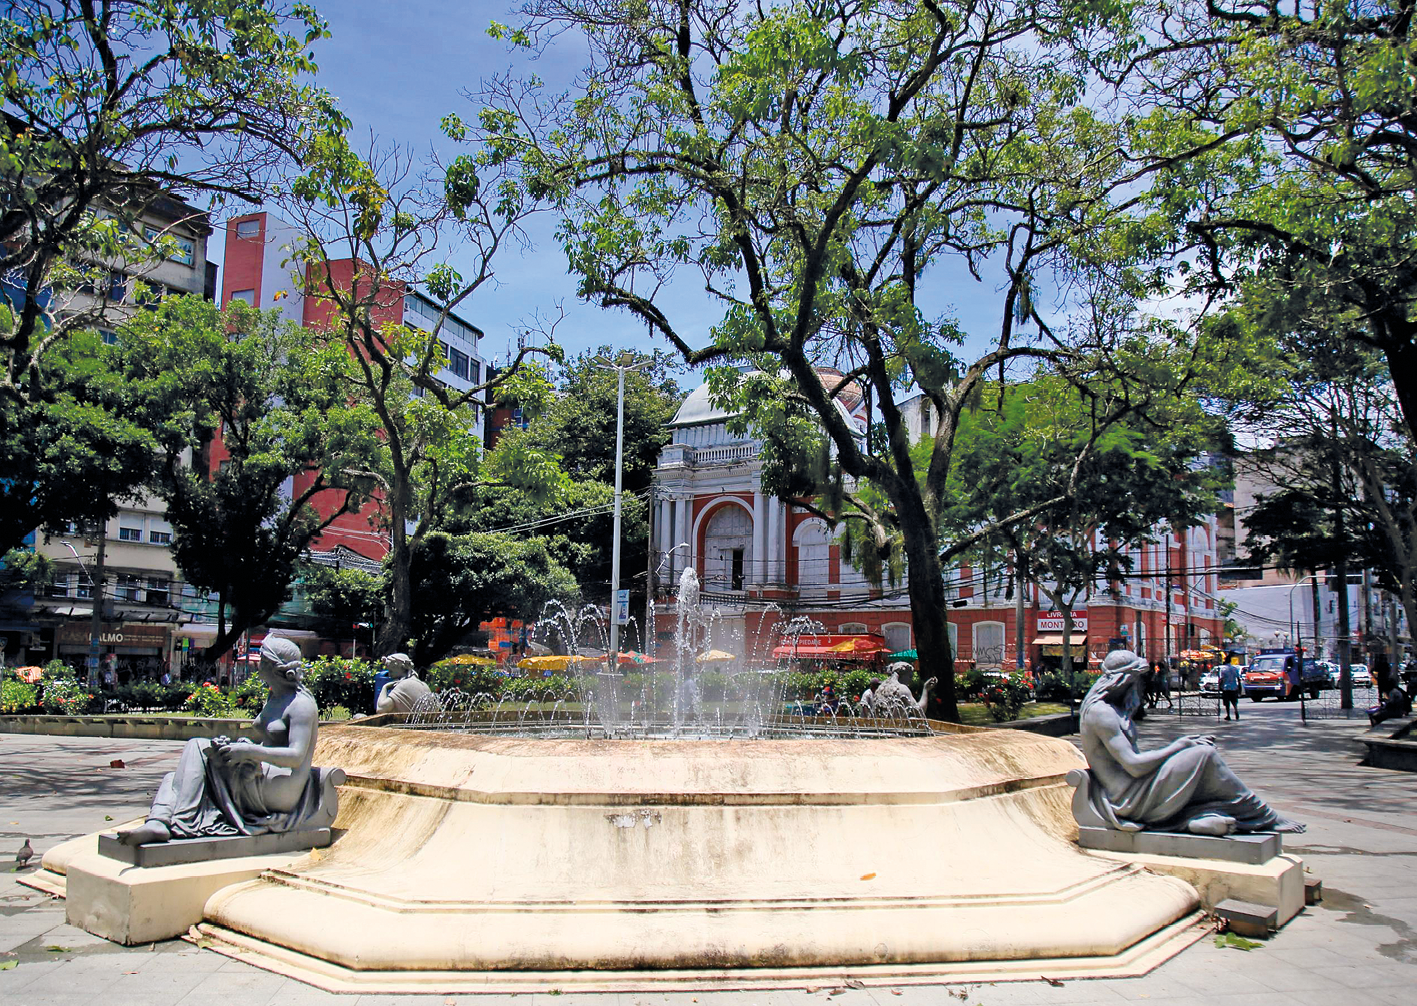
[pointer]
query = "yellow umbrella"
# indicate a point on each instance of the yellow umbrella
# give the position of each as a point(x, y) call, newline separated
point(715, 656)
point(554, 662)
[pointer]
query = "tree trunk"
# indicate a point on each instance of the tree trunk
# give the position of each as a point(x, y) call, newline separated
point(925, 585)
point(398, 609)
point(1067, 610)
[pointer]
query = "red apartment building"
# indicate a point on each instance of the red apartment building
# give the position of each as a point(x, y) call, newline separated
point(762, 562)
point(257, 270)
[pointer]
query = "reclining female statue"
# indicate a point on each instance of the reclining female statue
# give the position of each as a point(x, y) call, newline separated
point(250, 787)
point(1184, 786)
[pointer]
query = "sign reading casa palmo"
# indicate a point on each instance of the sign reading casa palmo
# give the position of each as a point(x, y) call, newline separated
point(1052, 621)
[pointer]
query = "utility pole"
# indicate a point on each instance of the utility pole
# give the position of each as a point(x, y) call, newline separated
point(1019, 615)
point(625, 363)
point(648, 642)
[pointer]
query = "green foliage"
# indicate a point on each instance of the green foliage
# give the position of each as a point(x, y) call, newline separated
point(272, 392)
point(18, 697)
point(818, 165)
point(209, 700)
point(470, 678)
point(339, 681)
point(63, 696)
point(1060, 686)
point(110, 108)
point(1005, 696)
point(57, 670)
point(251, 694)
point(459, 581)
point(340, 598)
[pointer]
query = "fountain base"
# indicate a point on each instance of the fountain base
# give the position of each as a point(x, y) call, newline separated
point(470, 861)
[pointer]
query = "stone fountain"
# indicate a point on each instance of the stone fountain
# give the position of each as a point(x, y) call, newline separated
point(639, 841)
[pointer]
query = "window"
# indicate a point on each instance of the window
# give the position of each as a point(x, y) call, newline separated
point(160, 537)
point(458, 362)
point(130, 534)
point(60, 587)
point(178, 249)
point(729, 531)
point(159, 589)
point(988, 644)
point(130, 587)
point(249, 296)
point(897, 636)
point(109, 338)
point(852, 628)
point(474, 372)
point(248, 228)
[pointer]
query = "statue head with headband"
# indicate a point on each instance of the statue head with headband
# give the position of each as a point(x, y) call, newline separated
point(1117, 684)
point(282, 657)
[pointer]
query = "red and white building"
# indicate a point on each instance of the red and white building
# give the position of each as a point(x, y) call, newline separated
point(762, 562)
point(260, 250)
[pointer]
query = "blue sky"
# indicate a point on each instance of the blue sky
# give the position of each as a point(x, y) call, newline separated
point(398, 68)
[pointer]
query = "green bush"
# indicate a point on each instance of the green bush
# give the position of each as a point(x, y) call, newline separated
point(1004, 697)
point(558, 686)
point(64, 697)
point(251, 694)
point(1055, 686)
point(470, 678)
point(209, 700)
point(340, 681)
point(57, 670)
point(18, 697)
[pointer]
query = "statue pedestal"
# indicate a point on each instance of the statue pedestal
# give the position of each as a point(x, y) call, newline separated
point(202, 850)
point(130, 904)
point(1276, 883)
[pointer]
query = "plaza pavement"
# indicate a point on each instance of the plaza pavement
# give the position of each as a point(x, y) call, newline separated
point(1359, 946)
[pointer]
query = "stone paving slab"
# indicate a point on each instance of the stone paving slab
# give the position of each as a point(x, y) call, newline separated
point(1359, 946)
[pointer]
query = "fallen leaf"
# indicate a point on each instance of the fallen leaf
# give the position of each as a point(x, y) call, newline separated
point(868, 876)
point(896, 992)
point(55, 948)
point(108, 817)
point(130, 972)
point(117, 763)
point(315, 855)
point(9, 965)
point(1051, 981)
point(835, 992)
point(810, 990)
point(854, 983)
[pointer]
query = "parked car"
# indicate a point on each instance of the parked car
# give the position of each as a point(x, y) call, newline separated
point(1210, 680)
point(1274, 675)
point(1358, 673)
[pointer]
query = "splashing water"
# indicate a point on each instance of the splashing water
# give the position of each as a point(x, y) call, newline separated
point(697, 693)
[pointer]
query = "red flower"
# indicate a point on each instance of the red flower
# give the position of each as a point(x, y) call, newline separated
point(348, 676)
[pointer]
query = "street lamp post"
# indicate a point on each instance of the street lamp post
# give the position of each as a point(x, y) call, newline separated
point(96, 604)
point(625, 363)
point(1299, 645)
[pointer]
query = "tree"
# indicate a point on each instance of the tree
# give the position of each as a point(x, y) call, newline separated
point(1031, 442)
point(340, 599)
point(394, 226)
point(264, 393)
point(113, 108)
point(818, 164)
point(1285, 148)
point(579, 425)
point(461, 580)
point(75, 448)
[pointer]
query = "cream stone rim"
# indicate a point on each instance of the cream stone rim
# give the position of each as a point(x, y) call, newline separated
point(1135, 961)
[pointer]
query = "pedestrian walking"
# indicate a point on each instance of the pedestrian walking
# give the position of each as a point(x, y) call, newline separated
point(1231, 685)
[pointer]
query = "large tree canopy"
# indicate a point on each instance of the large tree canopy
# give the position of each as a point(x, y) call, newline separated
point(289, 436)
point(816, 164)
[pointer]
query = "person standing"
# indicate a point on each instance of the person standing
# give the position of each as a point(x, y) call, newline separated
point(1230, 685)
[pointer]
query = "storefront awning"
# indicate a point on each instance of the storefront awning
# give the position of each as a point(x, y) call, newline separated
point(1056, 639)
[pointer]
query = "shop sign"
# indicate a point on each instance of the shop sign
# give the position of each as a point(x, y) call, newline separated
point(113, 634)
point(1053, 622)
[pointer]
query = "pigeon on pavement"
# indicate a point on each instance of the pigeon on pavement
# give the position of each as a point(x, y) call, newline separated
point(26, 853)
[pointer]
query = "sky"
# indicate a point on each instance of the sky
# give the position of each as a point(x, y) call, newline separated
point(398, 68)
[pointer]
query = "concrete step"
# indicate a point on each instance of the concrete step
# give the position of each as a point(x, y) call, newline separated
point(1248, 919)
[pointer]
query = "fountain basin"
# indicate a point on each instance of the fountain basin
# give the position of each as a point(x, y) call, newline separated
point(464, 854)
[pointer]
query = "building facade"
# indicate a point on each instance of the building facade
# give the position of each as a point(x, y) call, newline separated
point(260, 252)
point(128, 562)
point(763, 562)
